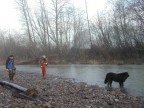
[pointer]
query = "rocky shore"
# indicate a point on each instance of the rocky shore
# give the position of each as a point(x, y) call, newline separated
point(60, 92)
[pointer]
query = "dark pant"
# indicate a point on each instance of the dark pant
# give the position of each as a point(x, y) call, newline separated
point(11, 73)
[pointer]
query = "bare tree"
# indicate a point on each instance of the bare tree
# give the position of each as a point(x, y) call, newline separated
point(27, 20)
point(88, 23)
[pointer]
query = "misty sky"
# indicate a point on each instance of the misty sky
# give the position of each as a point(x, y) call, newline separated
point(9, 15)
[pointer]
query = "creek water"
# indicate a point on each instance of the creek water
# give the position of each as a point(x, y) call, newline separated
point(94, 74)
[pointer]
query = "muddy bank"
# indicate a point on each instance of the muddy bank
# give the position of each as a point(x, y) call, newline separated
point(64, 93)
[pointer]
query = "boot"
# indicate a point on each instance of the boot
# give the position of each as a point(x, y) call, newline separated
point(10, 75)
point(44, 76)
point(13, 73)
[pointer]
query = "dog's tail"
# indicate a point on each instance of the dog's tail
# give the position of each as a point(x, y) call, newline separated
point(106, 79)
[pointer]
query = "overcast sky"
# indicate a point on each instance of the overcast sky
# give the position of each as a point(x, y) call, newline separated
point(9, 15)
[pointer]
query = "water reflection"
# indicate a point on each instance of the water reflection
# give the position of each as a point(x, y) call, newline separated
point(95, 74)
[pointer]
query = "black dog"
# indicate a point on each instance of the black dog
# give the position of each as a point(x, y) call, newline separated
point(120, 77)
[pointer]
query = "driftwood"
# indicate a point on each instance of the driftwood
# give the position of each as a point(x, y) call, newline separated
point(24, 93)
point(12, 85)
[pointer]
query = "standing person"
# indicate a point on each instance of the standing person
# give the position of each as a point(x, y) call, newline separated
point(43, 64)
point(10, 67)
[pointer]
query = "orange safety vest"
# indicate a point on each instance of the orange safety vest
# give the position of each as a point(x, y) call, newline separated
point(44, 62)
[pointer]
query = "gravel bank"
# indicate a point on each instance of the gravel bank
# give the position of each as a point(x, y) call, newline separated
point(64, 93)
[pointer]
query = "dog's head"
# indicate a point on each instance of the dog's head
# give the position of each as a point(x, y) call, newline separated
point(126, 74)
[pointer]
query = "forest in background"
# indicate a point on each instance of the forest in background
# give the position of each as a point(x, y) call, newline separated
point(65, 34)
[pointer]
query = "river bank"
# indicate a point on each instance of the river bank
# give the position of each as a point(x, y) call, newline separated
point(64, 93)
point(53, 61)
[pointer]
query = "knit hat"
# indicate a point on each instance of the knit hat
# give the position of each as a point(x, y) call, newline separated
point(11, 56)
point(43, 56)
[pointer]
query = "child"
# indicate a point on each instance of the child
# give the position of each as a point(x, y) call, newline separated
point(10, 66)
point(43, 64)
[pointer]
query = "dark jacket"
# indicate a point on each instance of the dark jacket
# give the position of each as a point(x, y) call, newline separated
point(10, 64)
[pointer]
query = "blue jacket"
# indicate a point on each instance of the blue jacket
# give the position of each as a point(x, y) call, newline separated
point(10, 64)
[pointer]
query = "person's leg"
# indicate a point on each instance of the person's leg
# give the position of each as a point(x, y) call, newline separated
point(13, 73)
point(10, 75)
point(44, 72)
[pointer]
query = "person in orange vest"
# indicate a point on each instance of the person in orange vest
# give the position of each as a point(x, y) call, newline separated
point(43, 64)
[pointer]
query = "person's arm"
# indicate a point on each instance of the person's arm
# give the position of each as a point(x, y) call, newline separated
point(46, 61)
